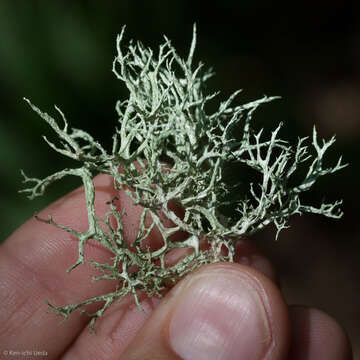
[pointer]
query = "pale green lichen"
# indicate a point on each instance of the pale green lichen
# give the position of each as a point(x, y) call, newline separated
point(165, 119)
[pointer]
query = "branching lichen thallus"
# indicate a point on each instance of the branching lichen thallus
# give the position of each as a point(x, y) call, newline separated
point(165, 118)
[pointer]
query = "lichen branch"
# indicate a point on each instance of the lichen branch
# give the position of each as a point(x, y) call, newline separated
point(165, 118)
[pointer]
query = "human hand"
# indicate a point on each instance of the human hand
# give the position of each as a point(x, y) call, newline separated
point(221, 311)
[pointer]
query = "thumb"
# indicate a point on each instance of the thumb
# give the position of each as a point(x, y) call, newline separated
point(222, 311)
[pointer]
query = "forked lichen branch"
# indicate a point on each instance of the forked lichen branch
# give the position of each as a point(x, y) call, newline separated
point(165, 118)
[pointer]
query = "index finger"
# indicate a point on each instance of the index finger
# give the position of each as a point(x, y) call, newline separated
point(33, 263)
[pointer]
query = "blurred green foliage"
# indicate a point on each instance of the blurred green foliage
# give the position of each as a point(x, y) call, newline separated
point(57, 52)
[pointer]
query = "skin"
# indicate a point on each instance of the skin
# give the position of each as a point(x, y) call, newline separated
point(33, 262)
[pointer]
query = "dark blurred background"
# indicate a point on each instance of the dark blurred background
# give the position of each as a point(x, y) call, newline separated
point(57, 52)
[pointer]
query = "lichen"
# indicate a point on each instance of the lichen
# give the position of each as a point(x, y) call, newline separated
point(165, 120)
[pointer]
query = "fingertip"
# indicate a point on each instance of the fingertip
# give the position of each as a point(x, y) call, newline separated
point(221, 311)
point(247, 254)
point(316, 335)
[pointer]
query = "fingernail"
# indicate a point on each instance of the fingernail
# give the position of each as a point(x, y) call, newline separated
point(220, 317)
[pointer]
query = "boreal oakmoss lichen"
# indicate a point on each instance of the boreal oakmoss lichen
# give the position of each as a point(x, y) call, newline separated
point(165, 117)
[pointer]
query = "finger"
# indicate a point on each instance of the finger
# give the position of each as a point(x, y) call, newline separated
point(222, 311)
point(114, 330)
point(315, 335)
point(120, 324)
point(246, 253)
point(33, 263)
